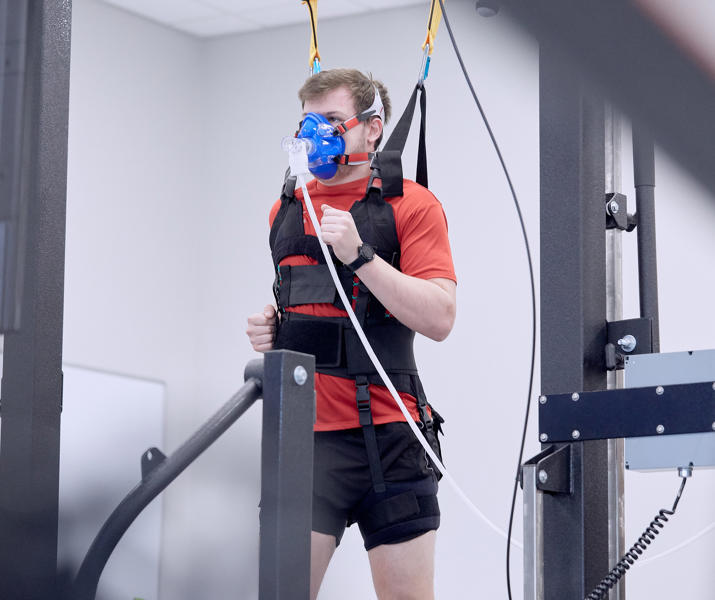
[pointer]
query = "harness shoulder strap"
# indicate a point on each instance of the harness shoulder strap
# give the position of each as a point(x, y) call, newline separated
point(398, 139)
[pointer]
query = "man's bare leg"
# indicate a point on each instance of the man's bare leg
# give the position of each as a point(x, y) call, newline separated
point(322, 547)
point(404, 571)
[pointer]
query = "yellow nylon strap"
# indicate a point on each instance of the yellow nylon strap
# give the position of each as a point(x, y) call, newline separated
point(435, 17)
point(313, 12)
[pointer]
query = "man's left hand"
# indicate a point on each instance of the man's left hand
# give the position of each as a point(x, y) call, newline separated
point(338, 230)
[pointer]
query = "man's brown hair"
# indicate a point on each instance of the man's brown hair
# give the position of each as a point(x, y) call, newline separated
point(361, 87)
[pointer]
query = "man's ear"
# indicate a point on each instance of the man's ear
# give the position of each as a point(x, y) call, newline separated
point(374, 132)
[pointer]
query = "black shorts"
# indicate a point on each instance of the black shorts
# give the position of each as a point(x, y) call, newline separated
point(343, 492)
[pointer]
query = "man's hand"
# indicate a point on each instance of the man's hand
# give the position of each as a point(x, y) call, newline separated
point(338, 230)
point(262, 329)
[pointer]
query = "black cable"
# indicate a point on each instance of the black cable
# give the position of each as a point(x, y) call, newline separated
point(533, 296)
point(617, 572)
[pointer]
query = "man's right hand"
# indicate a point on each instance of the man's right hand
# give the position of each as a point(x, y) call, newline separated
point(261, 329)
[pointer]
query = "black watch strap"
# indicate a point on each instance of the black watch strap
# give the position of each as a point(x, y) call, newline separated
point(365, 254)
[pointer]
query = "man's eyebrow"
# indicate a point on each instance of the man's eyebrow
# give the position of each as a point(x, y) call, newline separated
point(331, 113)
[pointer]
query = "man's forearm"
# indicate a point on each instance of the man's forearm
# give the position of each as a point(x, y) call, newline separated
point(426, 306)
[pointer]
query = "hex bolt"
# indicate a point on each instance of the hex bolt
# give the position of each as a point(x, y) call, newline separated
point(543, 437)
point(542, 399)
point(575, 434)
point(685, 471)
point(543, 476)
point(659, 390)
point(575, 397)
point(300, 375)
point(613, 207)
point(660, 429)
point(628, 343)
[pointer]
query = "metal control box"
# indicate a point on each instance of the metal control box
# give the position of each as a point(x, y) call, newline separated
point(670, 451)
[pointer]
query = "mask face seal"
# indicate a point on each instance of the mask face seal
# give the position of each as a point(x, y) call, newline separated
point(323, 146)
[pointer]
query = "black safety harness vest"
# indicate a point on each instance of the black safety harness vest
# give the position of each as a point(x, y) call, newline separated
point(333, 340)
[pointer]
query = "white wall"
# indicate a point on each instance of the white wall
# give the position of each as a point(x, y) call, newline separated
point(174, 162)
point(134, 205)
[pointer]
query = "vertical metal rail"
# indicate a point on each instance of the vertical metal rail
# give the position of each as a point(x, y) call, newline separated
point(573, 316)
point(287, 476)
point(32, 379)
point(614, 312)
point(644, 180)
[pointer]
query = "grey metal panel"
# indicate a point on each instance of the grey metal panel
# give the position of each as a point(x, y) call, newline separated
point(649, 453)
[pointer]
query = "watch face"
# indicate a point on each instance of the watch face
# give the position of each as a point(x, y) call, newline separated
point(367, 251)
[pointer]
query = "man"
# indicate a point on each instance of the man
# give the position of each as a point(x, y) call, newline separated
point(397, 264)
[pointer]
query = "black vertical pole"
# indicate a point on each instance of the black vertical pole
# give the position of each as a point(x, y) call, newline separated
point(573, 316)
point(32, 377)
point(286, 475)
point(644, 180)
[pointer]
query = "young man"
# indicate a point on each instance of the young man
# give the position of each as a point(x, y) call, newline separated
point(397, 268)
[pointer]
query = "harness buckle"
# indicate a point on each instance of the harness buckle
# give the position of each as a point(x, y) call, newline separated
point(362, 397)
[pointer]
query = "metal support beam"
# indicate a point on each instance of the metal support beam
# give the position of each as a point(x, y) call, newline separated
point(644, 181)
point(32, 378)
point(287, 476)
point(573, 316)
point(614, 312)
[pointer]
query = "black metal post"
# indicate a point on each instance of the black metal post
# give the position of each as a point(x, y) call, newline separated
point(32, 378)
point(287, 476)
point(644, 180)
point(573, 316)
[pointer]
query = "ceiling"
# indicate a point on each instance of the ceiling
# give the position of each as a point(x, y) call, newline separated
point(209, 18)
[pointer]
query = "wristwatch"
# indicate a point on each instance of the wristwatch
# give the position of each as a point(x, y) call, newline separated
point(365, 254)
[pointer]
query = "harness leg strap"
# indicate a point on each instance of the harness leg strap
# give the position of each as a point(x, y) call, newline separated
point(362, 397)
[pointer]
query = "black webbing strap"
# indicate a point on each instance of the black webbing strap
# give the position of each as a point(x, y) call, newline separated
point(362, 396)
point(398, 139)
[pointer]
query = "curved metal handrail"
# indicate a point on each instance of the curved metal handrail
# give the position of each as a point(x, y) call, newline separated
point(158, 471)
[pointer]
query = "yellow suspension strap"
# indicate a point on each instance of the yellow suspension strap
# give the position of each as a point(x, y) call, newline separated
point(435, 17)
point(314, 54)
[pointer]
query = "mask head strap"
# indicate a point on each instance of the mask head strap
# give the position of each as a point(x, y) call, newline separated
point(376, 110)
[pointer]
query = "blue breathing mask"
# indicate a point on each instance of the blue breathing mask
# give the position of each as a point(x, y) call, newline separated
point(323, 145)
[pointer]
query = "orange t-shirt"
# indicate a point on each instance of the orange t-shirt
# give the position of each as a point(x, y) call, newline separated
point(425, 253)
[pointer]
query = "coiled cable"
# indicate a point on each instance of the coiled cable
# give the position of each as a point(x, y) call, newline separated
point(635, 552)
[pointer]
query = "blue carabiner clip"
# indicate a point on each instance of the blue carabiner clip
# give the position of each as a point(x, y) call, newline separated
point(316, 67)
point(424, 68)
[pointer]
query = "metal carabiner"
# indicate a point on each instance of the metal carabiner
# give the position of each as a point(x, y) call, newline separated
point(424, 68)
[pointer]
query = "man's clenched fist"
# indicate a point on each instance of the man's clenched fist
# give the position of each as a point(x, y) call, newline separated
point(338, 230)
point(261, 329)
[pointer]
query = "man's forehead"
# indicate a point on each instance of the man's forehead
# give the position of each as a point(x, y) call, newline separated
point(338, 102)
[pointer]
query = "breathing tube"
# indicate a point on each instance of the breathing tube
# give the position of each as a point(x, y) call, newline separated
point(298, 161)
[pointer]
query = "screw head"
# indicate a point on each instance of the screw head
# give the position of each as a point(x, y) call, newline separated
point(613, 207)
point(575, 434)
point(300, 375)
point(543, 476)
point(542, 399)
point(713, 425)
point(543, 437)
point(659, 390)
point(713, 386)
point(575, 397)
point(660, 429)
